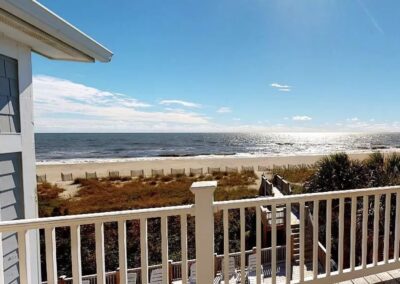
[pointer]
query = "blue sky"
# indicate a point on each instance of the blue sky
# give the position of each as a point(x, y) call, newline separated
point(223, 65)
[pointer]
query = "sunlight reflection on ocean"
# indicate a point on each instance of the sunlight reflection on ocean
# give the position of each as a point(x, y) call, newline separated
point(124, 146)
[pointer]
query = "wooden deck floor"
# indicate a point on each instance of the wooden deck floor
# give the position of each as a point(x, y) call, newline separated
point(384, 277)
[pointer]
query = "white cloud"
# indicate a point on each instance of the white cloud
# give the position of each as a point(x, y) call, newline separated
point(180, 102)
point(281, 87)
point(353, 119)
point(62, 105)
point(236, 119)
point(224, 110)
point(301, 118)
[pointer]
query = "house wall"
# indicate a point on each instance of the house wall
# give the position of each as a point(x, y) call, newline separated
point(17, 156)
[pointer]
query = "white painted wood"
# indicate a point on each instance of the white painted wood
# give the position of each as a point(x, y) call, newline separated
point(288, 243)
point(302, 232)
point(184, 248)
point(22, 254)
point(123, 266)
point(353, 233)
point(315, 238)
point(164, 249)
point(273, 244)
point(341, 234)
point(204, 211)
point(28, 157)
point(364, 232)
point(242, 243)
point(258, 245)
point(309, 197)
point(346, 274)
point(10, 143)
point(51, 260)
point(226, 246)
point(328, 236)
point(100, 264)
point(76, 254)
point(387, 227)
point(144, 251)
point(397, 229)
point(376, 229)
point(85, 219)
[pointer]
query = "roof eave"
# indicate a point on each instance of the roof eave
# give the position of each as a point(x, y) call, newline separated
point(81, 47)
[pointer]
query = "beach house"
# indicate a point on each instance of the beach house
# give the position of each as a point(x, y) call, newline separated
point(25, 27)
point(372, 250)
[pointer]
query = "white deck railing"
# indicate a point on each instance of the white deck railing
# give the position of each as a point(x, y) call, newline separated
point(381, 206)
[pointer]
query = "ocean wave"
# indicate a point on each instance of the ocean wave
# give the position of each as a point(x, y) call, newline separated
point(206, 156)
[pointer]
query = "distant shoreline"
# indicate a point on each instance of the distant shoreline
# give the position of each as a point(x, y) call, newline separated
point(102, 168)
point(201, 156)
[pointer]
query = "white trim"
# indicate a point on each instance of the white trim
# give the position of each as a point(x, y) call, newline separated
point(10, 143)
point(24, 143)
point(42, 18)
point(28, 157)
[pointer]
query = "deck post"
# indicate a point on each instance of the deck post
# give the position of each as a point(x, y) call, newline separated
point(204, 212)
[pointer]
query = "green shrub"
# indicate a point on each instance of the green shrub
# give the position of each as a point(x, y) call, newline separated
point(338, 172)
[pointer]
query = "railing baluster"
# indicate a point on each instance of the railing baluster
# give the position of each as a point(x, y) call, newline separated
point(1, 257)
point(226, 246)
point(397, 228)
point(376, 229)
point(184, 248)
point(288, 242)
point(258, 244)
point(387, 227)
point(164, 246)
point(328, 236)
point(364, 232)
point(100, 264)
point(76, 254)
point(353, 233)
point(302, 231)
point(315, 238)
point(22, 257)
point(273, 244)
point(51, 260)
point(144, 251)
point(341, 234)
point(123, 267)
point(242, 245)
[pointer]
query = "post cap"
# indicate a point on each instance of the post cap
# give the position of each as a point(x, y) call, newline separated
point(203, 185)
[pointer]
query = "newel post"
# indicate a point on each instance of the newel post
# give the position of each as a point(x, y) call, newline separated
point(204, 214)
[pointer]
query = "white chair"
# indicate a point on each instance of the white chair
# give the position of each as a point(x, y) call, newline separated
point(156, 276)
point(233, 275)
point(192, 277)
point(251, 270)
point(132, 278)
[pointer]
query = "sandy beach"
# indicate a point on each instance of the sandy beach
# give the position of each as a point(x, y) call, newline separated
point(53, 171)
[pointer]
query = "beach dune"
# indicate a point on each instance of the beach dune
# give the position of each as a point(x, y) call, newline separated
point(53, 171)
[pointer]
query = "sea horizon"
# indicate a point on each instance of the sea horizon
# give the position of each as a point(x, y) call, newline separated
point(71, 148)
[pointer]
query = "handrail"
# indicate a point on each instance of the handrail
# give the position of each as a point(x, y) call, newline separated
point(84, 219)
point(307, 197)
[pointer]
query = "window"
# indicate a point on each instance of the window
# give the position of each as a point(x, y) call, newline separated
point(9, 92)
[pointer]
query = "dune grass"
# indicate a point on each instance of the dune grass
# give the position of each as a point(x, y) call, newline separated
point(113, 194)
point(295, 174)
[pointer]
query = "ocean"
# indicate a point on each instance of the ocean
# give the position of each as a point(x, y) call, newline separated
point(54, 148)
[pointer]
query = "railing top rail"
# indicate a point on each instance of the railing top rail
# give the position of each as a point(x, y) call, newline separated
point(84, 219)
point(263, 201)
